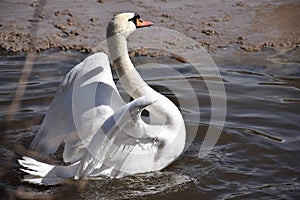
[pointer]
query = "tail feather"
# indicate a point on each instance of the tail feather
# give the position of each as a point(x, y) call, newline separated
point(35, 167)
point(43, 173)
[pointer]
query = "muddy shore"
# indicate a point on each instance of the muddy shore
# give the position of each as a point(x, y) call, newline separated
point(251, 26)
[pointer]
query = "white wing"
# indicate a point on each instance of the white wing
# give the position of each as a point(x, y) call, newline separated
point(122, 146)
point(86, 97)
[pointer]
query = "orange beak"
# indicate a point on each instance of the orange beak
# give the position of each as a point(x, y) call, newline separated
point(140, 23)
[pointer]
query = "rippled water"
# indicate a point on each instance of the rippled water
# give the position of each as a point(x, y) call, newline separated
point(257, 154)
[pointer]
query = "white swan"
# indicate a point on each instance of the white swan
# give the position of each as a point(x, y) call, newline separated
point(102, 135)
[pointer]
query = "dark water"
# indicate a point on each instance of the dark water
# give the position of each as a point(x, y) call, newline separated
point(257, 154)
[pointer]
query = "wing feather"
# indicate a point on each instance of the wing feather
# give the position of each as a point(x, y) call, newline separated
point(85, 98)
point(118, 147)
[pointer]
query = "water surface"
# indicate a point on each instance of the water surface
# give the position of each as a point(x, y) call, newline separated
point(256, 155)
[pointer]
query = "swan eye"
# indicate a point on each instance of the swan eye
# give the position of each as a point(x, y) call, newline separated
point(135, 18)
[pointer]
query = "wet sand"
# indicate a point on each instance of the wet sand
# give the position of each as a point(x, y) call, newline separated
point(250, 26)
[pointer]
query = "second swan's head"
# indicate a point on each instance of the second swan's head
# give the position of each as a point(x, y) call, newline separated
point(126, 23)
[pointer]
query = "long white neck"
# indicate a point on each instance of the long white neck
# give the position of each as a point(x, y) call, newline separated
point(166, 121)
point(135, 85)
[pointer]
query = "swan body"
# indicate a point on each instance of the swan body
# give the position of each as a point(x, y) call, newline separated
point(102, 135)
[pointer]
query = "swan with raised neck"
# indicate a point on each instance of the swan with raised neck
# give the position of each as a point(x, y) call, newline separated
point(119, 28)
point(164, 136)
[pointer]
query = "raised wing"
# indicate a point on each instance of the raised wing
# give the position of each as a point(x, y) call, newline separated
point(86, 97)
point(121, 146)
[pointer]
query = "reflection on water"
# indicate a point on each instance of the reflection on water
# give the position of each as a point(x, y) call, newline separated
point(255, 157)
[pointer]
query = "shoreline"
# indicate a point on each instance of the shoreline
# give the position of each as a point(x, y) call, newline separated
point(250, 26)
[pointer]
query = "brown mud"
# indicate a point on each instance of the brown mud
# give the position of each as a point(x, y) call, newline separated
point(250, 25)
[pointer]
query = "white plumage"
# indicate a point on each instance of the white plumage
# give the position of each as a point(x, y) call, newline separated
point(102, 135)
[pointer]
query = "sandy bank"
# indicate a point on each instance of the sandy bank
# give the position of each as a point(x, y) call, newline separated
point(39, 25)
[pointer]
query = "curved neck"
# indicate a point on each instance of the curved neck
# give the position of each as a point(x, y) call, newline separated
point(133, 83)
point(130, 79)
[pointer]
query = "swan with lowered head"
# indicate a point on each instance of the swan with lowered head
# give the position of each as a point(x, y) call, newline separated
point(102, 135)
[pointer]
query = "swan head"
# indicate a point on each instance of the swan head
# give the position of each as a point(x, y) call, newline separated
point(125, 23)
